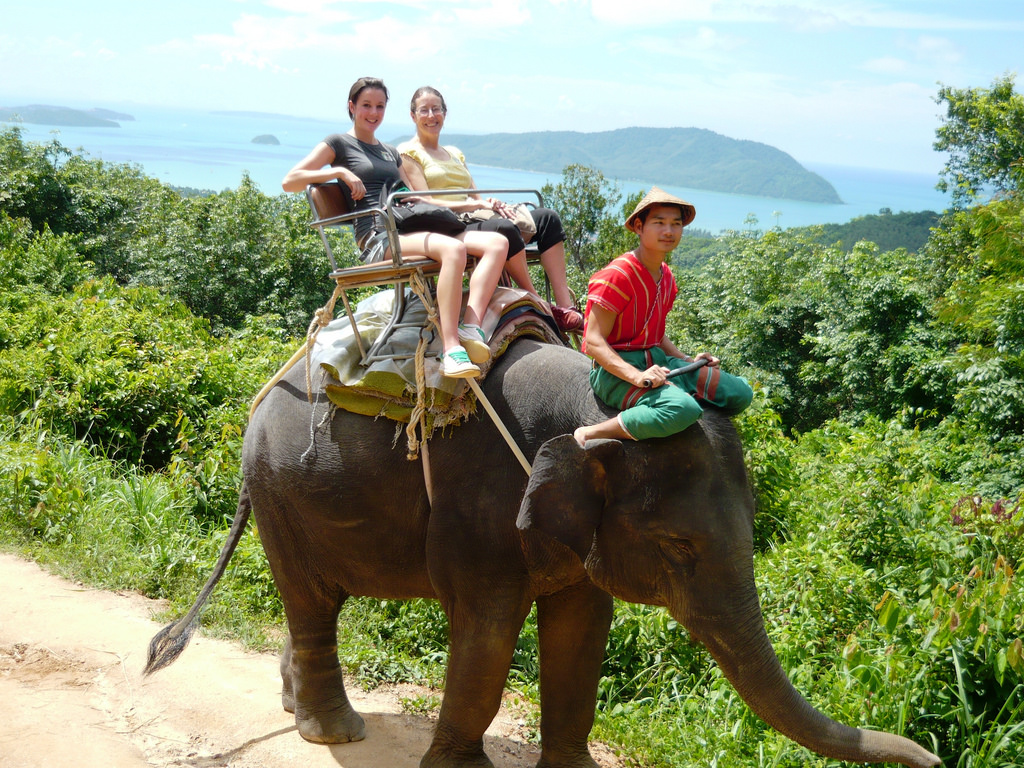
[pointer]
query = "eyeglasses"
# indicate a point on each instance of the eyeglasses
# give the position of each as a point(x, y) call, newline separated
point(428, 111)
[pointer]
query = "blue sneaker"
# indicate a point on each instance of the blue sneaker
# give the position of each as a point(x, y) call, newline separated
point(475, 342)
point(455, 364)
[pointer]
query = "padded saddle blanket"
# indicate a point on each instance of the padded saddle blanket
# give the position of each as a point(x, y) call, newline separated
point(388, 386)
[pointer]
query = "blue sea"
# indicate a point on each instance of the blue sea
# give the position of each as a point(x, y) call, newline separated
point(212, 151)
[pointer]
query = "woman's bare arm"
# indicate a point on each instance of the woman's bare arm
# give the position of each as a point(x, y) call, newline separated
point(311, 170)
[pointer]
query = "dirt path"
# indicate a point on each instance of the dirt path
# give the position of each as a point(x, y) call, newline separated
point(71, 693)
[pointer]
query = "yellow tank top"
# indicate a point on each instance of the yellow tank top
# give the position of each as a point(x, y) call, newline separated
point(440, 174)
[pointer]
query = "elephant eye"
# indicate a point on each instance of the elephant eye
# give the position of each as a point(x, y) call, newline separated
point(686, 547)
point(676, 546)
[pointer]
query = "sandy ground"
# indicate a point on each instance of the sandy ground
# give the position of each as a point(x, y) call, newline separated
point(72, 694)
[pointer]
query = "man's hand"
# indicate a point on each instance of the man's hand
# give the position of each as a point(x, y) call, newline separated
point(653, 377)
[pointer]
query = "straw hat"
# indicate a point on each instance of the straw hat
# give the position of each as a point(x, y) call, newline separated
point(661, 197)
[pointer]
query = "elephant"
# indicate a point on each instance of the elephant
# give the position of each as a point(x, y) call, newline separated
point(342, 512)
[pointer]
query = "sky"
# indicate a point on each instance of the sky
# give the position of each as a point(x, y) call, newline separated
point(831, 83)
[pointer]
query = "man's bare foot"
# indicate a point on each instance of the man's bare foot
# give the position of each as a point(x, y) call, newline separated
point(581, 436)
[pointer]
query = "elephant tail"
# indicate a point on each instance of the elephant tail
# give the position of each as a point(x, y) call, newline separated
point(169, 642)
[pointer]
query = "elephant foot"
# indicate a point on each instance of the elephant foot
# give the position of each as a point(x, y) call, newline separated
point(335, 726)
point(577, 761)
point(287, 689)
point(449, 752)
point(434, 760)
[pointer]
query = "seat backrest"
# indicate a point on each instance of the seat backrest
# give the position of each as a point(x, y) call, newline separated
point(331, 208)
point(327, 200)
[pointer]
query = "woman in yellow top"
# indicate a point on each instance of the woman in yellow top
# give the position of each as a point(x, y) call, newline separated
point(432, 166)
point(366, 165)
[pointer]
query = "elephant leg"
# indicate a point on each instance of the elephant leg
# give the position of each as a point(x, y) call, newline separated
point(312, 684)
point(572, 629)
point(287, 691)
point(478, 665)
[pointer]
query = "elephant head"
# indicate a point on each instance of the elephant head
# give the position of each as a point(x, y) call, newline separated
point(669, 522)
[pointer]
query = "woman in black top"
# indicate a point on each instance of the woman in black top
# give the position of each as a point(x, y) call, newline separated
point(365, 165)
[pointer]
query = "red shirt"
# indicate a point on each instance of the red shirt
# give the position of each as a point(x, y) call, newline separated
point(626, 288)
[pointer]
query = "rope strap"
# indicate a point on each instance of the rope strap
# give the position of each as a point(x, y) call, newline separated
point(321, 319)
point(418, 285)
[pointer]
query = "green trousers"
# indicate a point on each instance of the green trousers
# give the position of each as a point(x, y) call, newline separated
point(665, 410)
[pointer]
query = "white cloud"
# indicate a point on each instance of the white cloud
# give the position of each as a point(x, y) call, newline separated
point(266, 42)
point(800, 15)
point(886, 65)
point(705, 44)
point(926, 58)
point(316, 6)
point(324, 27)
point(936, 50)
point(651, 12)
point(499, 14)
point(301, 7)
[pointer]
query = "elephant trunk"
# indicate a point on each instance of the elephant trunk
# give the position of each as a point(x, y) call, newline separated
point(745, 654)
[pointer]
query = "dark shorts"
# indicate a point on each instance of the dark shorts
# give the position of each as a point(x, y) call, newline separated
point(549, 230)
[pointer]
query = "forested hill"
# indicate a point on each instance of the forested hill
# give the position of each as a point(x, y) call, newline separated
point(44, 114)
point(679, 157)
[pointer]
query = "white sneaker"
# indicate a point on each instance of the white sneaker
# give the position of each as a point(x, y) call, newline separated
point(455, 364)
point(475, 342)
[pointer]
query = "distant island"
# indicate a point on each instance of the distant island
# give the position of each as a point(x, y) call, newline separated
point(266, 138)
point(110, 114)
point(679, 157)
point(44, 114)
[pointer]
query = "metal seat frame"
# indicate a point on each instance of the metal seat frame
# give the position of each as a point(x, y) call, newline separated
point(332, 207)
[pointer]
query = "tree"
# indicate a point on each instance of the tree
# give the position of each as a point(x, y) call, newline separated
point(30, 183)
point(830, 334)
point(613, 239)
point(984, 133)
point(982, 312)
point(583, 198)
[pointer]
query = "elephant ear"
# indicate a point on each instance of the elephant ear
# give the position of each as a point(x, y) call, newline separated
point(566, 493)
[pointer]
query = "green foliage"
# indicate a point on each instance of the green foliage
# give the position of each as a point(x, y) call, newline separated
point(980, 316)
point(99, 208)
point(888, 230)
point(29, 186)
point(649, 658)
point(115, 367)
point(227, 256)
point(611, 238)
point(393, 641)
point(771, 471)
point(239, 253)
point(756, 305)
point(51, 262)
point(583, 198)
point(112, 525)
point(984, 133)
point(872, 333)
point(420, 705)
point(696, 247)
